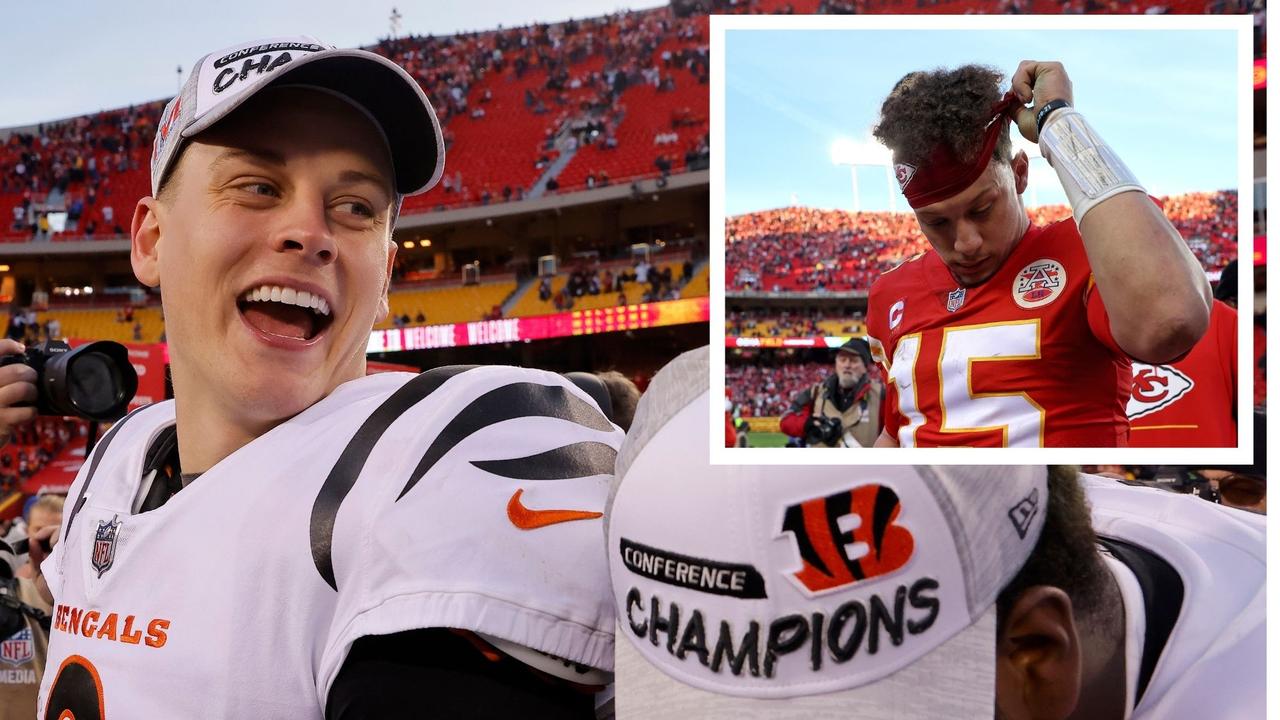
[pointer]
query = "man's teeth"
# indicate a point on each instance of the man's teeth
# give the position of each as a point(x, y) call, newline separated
point(288, 296)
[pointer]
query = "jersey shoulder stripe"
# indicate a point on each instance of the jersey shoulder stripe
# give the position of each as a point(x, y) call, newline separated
point(515, 400)
point(525, 397)
point(342, 477)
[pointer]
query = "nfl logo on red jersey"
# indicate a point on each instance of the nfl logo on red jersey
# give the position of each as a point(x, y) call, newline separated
point(955, 299)
point(104, 545)
point(19, 648)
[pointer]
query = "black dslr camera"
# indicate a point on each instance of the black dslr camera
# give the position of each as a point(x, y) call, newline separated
point(94, 381)
point(821, 429)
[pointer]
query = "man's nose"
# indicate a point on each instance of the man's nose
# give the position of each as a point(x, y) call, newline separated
point(305, 229)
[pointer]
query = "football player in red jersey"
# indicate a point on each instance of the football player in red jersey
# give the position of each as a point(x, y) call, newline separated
point(1008, 334)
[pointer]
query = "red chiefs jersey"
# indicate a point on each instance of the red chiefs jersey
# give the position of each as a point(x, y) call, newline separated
point(1026, 359)
point(1190, 403)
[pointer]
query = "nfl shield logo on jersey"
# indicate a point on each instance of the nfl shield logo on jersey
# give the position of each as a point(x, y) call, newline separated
point(104, 545)
point(955, 299)
point(19, 648)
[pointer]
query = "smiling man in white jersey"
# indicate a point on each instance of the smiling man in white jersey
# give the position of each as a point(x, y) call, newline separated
point(433, 541)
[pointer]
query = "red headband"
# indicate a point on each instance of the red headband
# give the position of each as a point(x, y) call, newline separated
point(944, 175)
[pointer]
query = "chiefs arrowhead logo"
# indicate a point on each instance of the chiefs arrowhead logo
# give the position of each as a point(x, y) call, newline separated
point(904, 173)
point(1156, 387)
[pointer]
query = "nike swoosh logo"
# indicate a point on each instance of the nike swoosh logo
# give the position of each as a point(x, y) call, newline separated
point(526, 519)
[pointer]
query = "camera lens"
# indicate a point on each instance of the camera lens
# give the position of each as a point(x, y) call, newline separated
point(93, 383)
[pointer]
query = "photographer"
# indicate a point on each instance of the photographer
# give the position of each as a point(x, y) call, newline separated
point(844, 409)
point(24, 631)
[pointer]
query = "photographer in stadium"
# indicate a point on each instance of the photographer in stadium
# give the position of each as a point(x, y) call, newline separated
point(24, 631)
point(1005, 333)
point(842, 410)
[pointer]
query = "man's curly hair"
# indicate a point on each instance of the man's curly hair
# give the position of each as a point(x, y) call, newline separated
point(949, 107)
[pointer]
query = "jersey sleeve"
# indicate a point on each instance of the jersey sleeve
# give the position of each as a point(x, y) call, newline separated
point(481, 509)
point(1227, 331)
point(1099, 321)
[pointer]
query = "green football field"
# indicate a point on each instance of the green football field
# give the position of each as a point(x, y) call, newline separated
point(766, 439)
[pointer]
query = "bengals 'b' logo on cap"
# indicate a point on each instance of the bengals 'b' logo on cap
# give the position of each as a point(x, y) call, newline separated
point(848, 537)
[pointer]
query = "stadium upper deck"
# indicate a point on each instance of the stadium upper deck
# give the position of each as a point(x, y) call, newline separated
point(528, 111)
point(803, 249)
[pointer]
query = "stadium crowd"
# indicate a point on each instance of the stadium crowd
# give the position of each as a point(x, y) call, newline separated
point(575, 77)
point(791, 323)
point(31, 447)
point(806, 250)
point(764, 391)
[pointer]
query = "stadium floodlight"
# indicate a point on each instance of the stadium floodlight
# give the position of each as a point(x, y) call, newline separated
point(847, 151)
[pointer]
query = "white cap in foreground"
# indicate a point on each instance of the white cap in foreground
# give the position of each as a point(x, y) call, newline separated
point(807, 591)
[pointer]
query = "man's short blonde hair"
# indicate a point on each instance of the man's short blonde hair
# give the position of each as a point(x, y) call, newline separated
point(49, 503)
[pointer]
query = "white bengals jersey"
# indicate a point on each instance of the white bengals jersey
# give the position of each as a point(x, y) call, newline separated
point(1199, 650)
point(458, 498)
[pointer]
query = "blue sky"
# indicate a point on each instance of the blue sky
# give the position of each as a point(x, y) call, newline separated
point(1165, 100)
point(71, 57)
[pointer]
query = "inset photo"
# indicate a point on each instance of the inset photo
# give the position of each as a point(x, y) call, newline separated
point(983, 233)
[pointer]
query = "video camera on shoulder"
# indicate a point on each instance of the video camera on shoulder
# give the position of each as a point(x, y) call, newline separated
point(94, 381)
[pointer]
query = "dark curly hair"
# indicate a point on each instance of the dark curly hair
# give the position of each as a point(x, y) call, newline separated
point(1066, 555)
point(949, 107)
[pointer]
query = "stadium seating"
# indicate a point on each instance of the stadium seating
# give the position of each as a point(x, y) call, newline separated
point(805, 324)
point(531, 304)
point(449, 304)
point(699, 284)
point(766, 391)
point(804, 249)
point(107, 323)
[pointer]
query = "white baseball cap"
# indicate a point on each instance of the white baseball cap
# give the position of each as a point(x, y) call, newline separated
point(389, 96)
point(806, 591)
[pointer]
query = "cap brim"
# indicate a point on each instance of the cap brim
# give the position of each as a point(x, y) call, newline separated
point(956, 680)
point(389, 94)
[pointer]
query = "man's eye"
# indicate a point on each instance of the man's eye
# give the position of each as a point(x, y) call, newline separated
point(982, 212)
point(356, 207)
point(261, 188)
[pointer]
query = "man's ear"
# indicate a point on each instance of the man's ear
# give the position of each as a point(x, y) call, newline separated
point(1021, 166)
point(1038, 657)
point(144, 247)
point(384, 305)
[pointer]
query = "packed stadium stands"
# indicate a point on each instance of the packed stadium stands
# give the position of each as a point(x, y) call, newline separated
point(766, 391)
point(526, 111)
point(804, 249)
point(802, 322)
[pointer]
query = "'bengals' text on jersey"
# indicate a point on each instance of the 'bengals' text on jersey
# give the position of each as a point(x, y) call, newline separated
point(458, 498)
